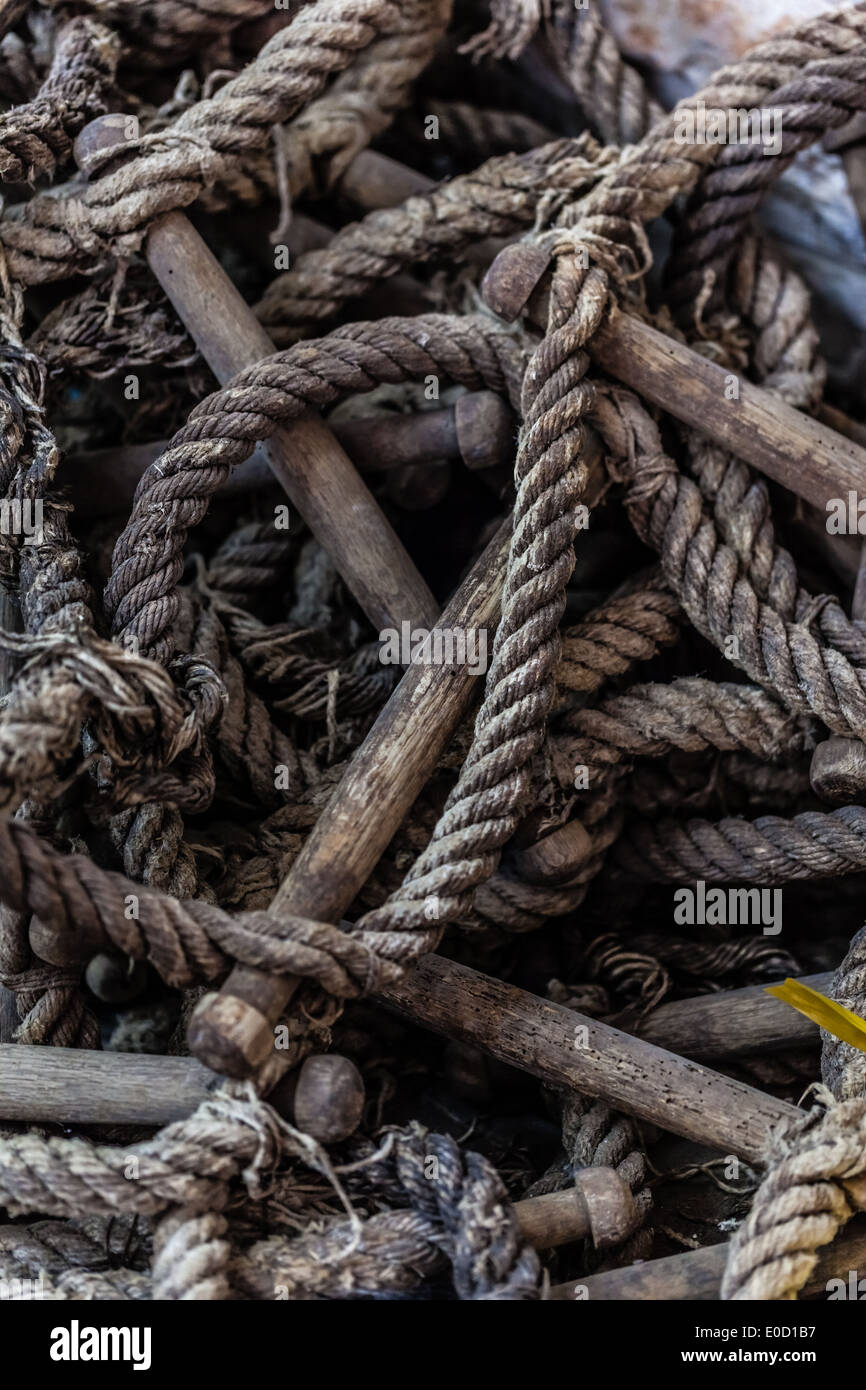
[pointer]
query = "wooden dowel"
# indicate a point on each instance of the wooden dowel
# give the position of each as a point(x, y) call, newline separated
point(599, 1205)
point(480, 429)
point(566, 1049)
point(10, 621)
point(792, 448)
point(541, 1038)
point(324, 1097)
point(233, 1031)
point(556, 857)
point(103, 482)
point(74, 1086)
point(696, 1275)
point(732, 1024)
point(843, 424)
point(376, 181)
point(561, 1047)
point(115, 978)
point(314, 470)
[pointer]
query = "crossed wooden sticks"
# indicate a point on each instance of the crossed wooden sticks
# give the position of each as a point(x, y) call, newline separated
point(233, 1031)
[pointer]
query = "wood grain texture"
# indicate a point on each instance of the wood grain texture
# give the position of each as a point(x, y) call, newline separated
point(233, 1032)
point(794, 449)
point(548, 1041)
point(697, 1274)
point(800, 453)
point(732, 1024)
point(108, 1087)
point(315, 472)
point(69, 1086)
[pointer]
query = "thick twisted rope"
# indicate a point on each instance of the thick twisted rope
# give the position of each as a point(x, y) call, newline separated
point(496, 200)
point(186, 1174)
point(37, 138)
point(162, 31)
point(51, 238)
point(631, 627)
point(612, 94)
point(768, 850)
point(360, 103)
point(816, 1182)
point(186, 942)
point(843, 1067)
point(692, 714)
point(468, 1204)
point(190, 1163)
point(775, 306)
point(483, 809)
point(465, 843)
point(472, 134)
point(807, 674)
point(819, 86)
point(141, 596)
point(67, 1262)
point(252, 560)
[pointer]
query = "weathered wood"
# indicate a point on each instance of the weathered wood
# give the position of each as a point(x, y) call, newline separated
point(837, 420)
point(711, 1026)
point(75, 1086)
point(115, 978)
point(315, 472)
point(480, 429)
point(599, 1205)
point(329, 1097)
point(9, 1019)
point(792, 448)
point(10, 621)
point(566, 1049)
point(375, 180)
point(732, 1024)
point(65, 1086)
point(696, 1275)
point(325, 1099)
point(555, 857)
point(513, 278)
point(233, 1031)
point(313, 469)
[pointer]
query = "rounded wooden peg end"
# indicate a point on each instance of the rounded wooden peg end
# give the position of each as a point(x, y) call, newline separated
point(838, 770)
point(556, 857)
point(68, 948)
point(229, 1035)
point(114, 978)
point(609, 1205)
point(93, 145)
point(328, 1098)
point(514, 274)
point(486, 432)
